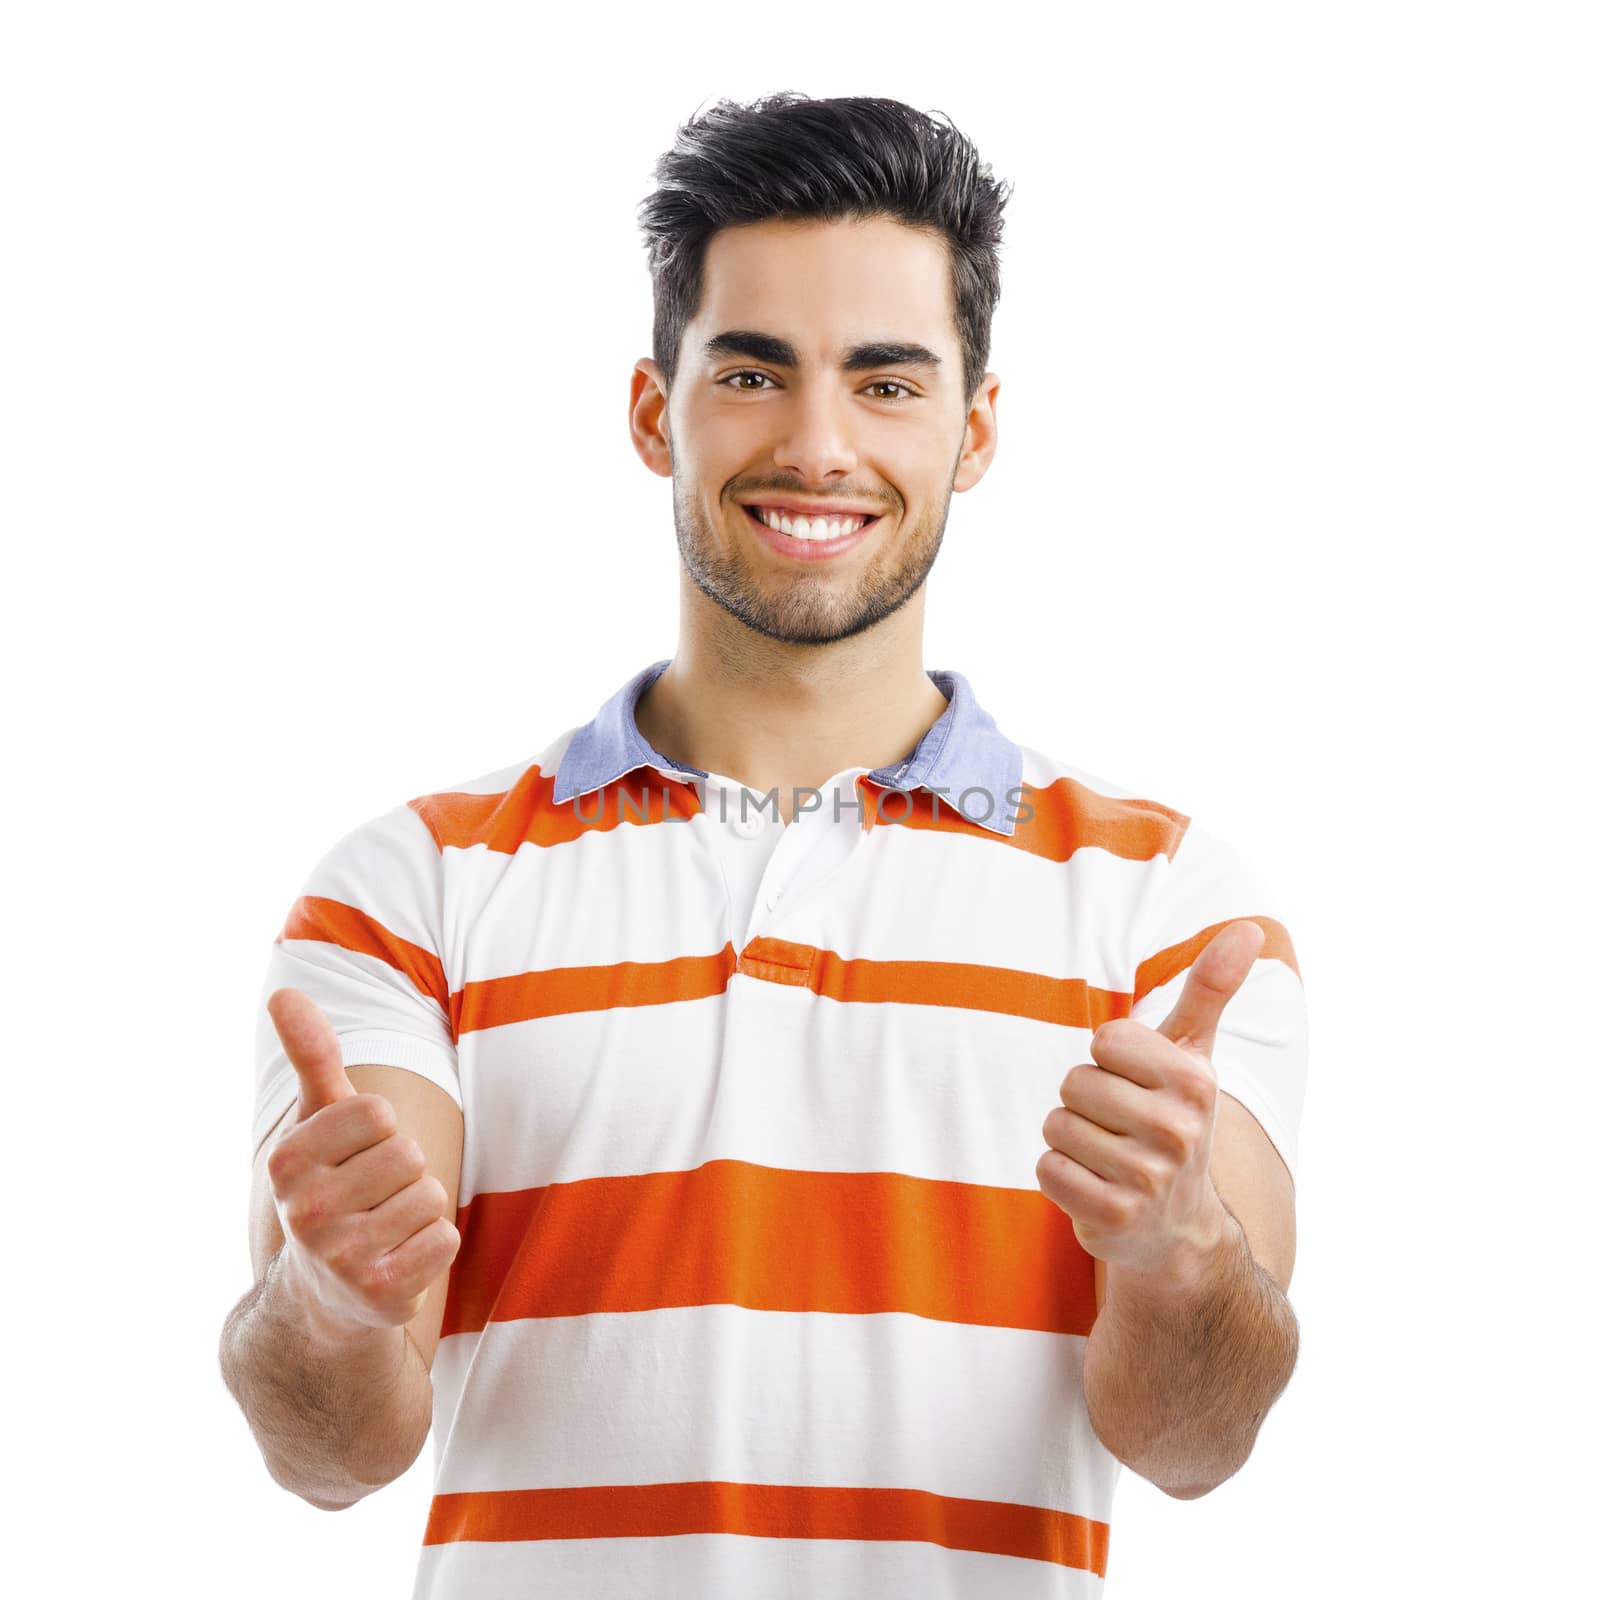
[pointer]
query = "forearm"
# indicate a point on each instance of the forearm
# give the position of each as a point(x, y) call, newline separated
point(334, 1415)
point(1180, 1371)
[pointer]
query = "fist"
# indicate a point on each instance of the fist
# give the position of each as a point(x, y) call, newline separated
point(1129, 1147)
point(364, 1224)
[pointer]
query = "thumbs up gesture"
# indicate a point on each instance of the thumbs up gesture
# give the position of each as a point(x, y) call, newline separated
point(364, 1225)
point(1130, 1144)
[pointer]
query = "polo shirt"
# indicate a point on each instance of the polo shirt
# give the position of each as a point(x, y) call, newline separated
point(757, 1292)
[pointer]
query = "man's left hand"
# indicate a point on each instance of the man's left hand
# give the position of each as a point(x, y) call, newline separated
point(1130, 1144)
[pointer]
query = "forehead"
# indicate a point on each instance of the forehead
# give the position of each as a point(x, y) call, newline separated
point(825, 284)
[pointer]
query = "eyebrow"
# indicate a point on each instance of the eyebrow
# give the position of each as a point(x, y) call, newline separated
point(778, 352)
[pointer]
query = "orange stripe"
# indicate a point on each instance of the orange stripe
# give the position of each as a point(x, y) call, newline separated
point(1066, 817)
point(772, 1239)
point(771, 1511)
point(965, 985)
point(559, 991)
point(1166, 964)
point(333, 922)
point(526, 814)
point(1071, 1002)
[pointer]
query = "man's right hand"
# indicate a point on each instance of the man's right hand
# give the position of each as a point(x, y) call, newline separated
point(364, 1224)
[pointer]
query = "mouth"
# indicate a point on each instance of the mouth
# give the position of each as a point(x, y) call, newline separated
point(807, 548)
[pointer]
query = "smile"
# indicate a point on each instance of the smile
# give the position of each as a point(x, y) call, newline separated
point(808, 539)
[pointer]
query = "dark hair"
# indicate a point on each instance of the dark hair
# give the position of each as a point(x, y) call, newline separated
point(789, 157)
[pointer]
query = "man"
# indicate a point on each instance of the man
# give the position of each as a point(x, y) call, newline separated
point(660, 1118)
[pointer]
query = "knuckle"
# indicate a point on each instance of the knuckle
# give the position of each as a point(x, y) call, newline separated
point(412, 1160)
point(377, 1113)
point(307, 1211)
point(1110, 1031)
point(1175, 1139)
point(283, 1161)
point(1146, 1177)
point(344, 1262)
point(379, 1277)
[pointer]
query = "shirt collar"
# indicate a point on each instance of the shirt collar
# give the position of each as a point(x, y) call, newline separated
point(962, 752)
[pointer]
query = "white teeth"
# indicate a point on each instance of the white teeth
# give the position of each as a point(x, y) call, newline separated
point(809, 527)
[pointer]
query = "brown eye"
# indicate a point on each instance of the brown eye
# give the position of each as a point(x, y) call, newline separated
point(905, 394)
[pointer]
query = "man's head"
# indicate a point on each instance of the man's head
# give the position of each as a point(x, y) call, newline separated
point(825, 278)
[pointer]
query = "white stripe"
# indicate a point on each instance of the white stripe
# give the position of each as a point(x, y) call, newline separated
point(889, 1400)
point(767, 1074)
point(656, 892)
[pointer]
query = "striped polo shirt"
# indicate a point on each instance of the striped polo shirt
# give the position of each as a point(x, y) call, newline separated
point(757, 1292)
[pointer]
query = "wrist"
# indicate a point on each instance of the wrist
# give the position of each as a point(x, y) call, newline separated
point(1191, 1265)
point(297, 1302)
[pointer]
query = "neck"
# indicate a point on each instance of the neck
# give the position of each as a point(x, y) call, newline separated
point(774, 715)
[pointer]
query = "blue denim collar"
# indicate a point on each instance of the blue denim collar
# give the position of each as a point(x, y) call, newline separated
point(963, 751)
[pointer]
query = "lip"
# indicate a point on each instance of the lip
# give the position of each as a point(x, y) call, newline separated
point(815, 508)
point(808, 549)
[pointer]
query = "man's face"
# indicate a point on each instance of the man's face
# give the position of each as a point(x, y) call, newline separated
point(819, 421)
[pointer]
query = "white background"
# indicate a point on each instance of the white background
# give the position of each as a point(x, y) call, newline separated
point(317, 332)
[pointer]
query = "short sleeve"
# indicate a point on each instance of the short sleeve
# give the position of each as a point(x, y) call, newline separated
point(364, 940)
point(1261, 1051)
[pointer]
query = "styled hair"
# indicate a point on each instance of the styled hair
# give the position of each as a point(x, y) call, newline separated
point(791, 158)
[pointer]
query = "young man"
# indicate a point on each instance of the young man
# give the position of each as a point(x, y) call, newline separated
point(660, 1118)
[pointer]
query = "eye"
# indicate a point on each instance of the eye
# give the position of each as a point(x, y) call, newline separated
point(906, 392)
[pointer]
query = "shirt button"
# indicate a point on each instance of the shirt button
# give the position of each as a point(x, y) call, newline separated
point(747, 824)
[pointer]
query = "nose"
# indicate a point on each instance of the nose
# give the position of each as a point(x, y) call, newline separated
point(815, 443)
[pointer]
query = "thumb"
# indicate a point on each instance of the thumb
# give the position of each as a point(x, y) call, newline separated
point(1214, 979)
point(312, 1047)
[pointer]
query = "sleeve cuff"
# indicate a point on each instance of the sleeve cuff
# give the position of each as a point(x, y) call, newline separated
point(363, 1048)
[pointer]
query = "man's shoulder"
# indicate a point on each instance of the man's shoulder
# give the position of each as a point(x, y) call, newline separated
point(446, 810)
point(500, 781)
point(1078, 806)
point(1064, 790)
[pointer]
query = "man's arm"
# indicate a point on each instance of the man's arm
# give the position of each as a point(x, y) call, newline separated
point(338, 1411)
point(1180, 1371)
point(335, 1415)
